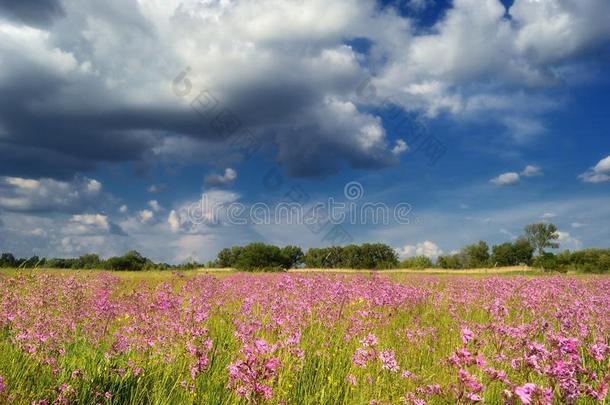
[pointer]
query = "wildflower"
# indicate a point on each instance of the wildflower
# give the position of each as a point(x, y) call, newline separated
point(388, 358)
point(369, 340)
point(2, 384)
point(469, 381)
point(474, 397)
point(352, 380)
point(467, 335)
point(362, 356)
point(525, 392)
point(598, 351)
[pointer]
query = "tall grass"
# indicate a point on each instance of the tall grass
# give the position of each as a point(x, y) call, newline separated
point(59, 337)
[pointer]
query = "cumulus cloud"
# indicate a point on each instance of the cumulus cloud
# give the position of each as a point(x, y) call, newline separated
point(531, 171)
point(146, 216)
point(426, 248)
point(506, 179)
point(600, 173)
point(156, 188)
point(123, 209)
point(92, 224)
point(400, 147)
point(568, 241)
point(25, 194)
point(548, 215)
point(155, 206)
point(225, 179)
point(173, 221)
point(78, 92)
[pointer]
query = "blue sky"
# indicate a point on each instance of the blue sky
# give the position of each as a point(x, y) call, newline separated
point(102, 150)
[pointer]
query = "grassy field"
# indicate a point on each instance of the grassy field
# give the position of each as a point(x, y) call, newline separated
point(303, 337)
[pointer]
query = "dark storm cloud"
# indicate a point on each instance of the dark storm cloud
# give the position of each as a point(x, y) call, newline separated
point(94, 87)
point(32, 12)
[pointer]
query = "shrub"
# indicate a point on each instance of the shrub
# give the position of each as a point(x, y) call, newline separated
point(365, 256)
point(512, 254)
point(547, 261)
point(417, 262)
point(477, 255)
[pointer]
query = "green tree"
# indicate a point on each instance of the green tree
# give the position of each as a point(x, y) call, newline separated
point(416, 262)
point(259, 256)
point(523, 251)
point(477, 255)
point(7, 260)
point(292, 256)
point(503, 254)
point(542, 236)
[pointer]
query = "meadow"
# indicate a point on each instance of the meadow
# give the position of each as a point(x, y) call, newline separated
point(91, 337)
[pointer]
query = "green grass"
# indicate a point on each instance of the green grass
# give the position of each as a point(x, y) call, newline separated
point(319, 378)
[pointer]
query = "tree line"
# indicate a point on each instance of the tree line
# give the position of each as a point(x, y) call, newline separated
point(529, 249)
point(131, 260)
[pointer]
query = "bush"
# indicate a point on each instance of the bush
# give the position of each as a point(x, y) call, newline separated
point(131, 260)
point(547, 261)
point(456, 261)
point(477, 255)
point(365, 256)
point(512, 254)
point(260, 257)
point(417, 262)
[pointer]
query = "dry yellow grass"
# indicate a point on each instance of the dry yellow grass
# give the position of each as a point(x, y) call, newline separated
point(491, 270)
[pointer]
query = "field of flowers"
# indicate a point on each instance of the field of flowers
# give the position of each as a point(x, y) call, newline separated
point(97, 338)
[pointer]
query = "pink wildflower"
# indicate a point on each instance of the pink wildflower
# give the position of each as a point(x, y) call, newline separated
point(388, 358)
point(352, 380)
point(525, 392)
point(2, 384)
point(369, 340)
point(467, 335)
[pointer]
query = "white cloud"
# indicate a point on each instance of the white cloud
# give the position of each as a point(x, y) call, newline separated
point(146, 215)
point(37, 232)
point(400, 147)
point(531, 171)
point(548, 215)
point(426, 248)
point(600, 173)
point(23, 194)
point(173, 221)
point(506, 179)
point(97, 220)
point(508, 233)
point(568, 241)
point(156, 188)
point(578, 225)
point(94, 186)
point(154, 205)
point(228, 177)
point(123, 209)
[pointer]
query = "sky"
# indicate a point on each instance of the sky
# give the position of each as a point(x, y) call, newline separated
point(125, 124)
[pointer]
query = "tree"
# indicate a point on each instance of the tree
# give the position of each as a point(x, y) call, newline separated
point(228, 256)
point(292, 256)
point(89, 261)
point(131, 260)
point(523, 251)
point(477, 255)
point(503, 254)
point(7, 260)
point(259, 256)
point(416, 262)
point(541, 236)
